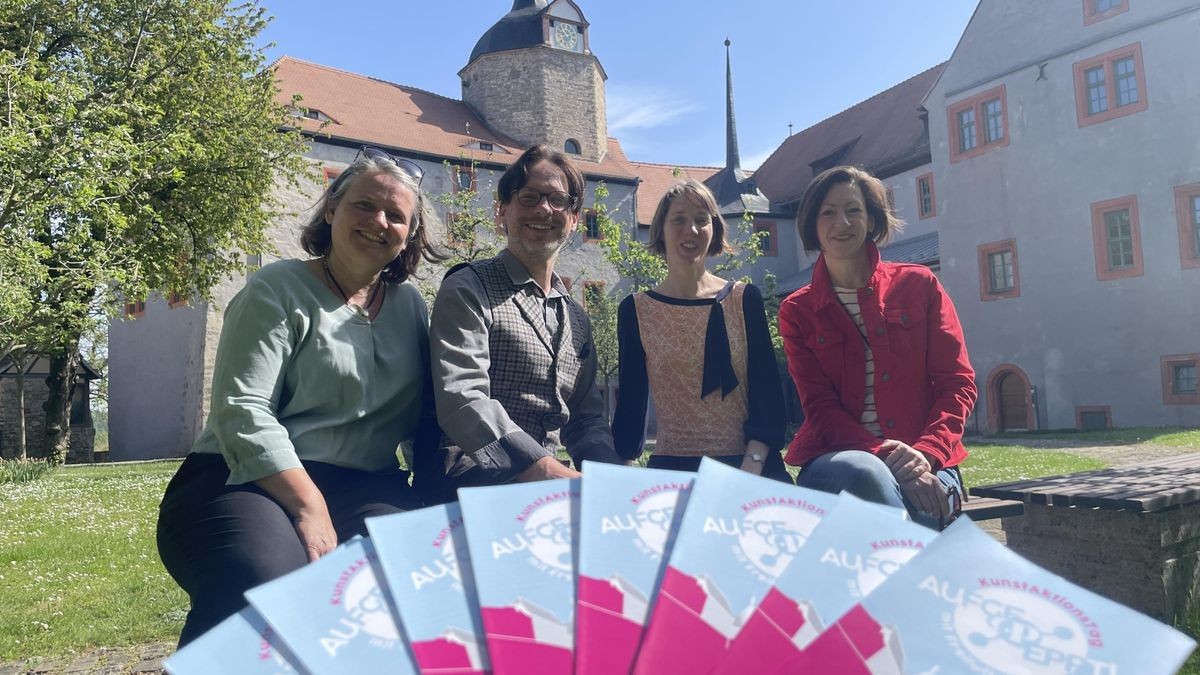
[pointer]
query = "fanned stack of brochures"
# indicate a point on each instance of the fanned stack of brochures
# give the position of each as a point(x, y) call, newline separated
point(646, 571)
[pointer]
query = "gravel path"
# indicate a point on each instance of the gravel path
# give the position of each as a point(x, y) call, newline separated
point(148, 658)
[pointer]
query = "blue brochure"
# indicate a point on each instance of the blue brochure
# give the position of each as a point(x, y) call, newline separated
point(626, 527)
point(333, 614)
point(967, 604)
point(850, 553)
point(243, 644)
point(423, 558)
point(738, 533)
point(521, 538)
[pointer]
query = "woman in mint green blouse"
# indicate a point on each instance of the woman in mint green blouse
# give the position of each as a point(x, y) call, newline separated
point(321, 381)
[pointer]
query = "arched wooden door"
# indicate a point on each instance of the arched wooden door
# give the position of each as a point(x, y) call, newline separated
point(1014, 410)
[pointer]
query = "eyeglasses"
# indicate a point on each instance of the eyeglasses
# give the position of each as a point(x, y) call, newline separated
point(558, 200)
point(406, 165)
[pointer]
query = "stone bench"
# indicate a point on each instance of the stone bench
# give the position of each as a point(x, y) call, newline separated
point(1131, 534)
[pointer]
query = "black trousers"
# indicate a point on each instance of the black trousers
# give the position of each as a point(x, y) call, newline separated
point(773, 467)
point(218, 541)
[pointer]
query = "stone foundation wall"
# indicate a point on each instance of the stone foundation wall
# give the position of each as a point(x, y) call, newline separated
point(1147, 561)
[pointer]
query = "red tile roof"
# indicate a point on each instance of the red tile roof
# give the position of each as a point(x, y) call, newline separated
point(884, 132)
point(656, 179)
point(372, 111)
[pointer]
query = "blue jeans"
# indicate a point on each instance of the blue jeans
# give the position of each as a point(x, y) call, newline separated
point(865, 476)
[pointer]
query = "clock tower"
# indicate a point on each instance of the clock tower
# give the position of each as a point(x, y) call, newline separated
point(533, 78)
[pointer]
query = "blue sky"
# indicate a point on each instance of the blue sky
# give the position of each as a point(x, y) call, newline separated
point(794, 61)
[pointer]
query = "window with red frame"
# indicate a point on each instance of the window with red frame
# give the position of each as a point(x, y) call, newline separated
point(1110, 85)
point(592, 290)
point(464, 178)
point(1187, 212)
point(926, 206)
point(1117, 238)
point(591, 225)
point(1180, 383)
point(135, 309)
point(1099, 10)
point(998, 274)
point(978, 124)
point(768, 240)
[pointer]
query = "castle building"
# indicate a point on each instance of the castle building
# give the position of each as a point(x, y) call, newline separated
point(1049, 172)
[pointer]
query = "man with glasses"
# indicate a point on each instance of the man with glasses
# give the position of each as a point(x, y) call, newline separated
point(514, 367)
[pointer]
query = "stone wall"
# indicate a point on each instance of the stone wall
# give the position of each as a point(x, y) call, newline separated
point(541, 95)
point(82, 440)
point(1147, 561)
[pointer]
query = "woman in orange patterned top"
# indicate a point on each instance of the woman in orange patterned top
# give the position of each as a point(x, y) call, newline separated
point(700, 345)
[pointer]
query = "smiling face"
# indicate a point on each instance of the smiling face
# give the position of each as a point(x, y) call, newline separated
point(370, 225)
point(687, 232)
point(536, 233)
point(842, 222)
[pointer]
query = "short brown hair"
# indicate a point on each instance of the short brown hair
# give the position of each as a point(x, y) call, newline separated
point(884, 222)
point(517, 175)
point(701, 196)
point(316, 237)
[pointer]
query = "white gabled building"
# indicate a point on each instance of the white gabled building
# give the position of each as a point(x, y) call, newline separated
point(1065, 140)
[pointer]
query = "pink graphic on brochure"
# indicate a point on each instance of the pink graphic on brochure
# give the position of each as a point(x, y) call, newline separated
point(850, 553)
point(738, 534)
point(520, 538)
point(626, 526)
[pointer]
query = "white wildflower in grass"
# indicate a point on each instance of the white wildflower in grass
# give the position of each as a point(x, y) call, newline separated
point(77, 547)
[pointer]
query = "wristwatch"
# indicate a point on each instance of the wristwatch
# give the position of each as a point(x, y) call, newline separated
point(755, 456)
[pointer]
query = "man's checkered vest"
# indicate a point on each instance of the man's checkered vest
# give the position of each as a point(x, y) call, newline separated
point(532, 376)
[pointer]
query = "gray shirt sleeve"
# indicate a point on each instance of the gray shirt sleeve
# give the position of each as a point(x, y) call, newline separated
point(459, 351)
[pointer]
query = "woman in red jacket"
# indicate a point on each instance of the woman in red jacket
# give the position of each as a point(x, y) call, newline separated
point(877, 355)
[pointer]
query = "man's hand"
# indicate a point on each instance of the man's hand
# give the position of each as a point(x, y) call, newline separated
point(546, 468)
point(905, 462)
point(928, 494)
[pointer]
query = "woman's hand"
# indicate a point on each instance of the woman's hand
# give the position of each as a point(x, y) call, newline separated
point(749, 464)
point(927, 493)
point(299, 495)
point(316, 532)
point(905, 462)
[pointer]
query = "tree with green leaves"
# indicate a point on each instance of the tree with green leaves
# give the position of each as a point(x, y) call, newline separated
point(141, 142)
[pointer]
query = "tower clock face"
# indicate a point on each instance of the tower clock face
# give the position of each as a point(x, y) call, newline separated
point(566, 36)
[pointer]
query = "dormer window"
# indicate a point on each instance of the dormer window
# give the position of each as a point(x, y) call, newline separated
point(311, 114)
point(571, 147)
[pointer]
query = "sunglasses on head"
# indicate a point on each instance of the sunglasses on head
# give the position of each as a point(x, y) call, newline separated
point(406, 165)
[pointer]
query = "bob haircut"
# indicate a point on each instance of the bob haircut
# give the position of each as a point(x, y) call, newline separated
point(701, 196)
point(884, 222)
point(316, 236)
point(517, 175)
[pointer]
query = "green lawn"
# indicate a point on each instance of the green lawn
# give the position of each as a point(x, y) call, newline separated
point(78, 564)
point(1179, 437)
point(988, 463)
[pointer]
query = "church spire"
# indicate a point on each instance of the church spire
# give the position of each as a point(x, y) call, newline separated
point(732, 161)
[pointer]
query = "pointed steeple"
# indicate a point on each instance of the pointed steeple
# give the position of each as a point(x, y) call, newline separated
point(732, 161)
point(735, 190)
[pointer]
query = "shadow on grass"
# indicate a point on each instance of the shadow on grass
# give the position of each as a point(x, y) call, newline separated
point(1185, 437)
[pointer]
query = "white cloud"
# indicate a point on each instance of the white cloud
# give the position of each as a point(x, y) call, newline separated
point(632, 107)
